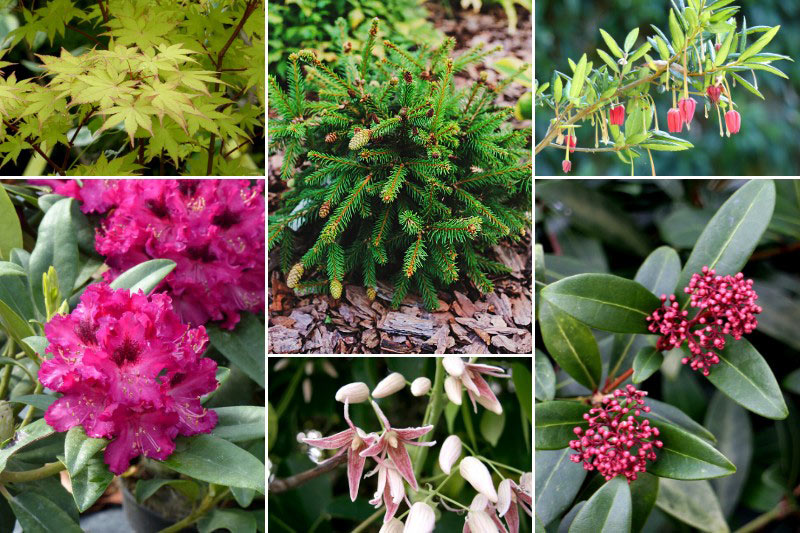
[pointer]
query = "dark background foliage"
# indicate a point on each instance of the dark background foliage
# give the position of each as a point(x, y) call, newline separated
point(323, 504)
point(767, 143)
point(609, 226)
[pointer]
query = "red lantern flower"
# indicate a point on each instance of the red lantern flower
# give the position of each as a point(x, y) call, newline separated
point(674, 120)
point(714, 93)
point(617, 115)
point(733, 120)
point(687, 107)
point(566, 166)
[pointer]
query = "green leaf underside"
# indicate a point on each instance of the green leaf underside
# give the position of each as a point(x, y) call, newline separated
point(555, 421)
point(557, 482)
point(571, 344)
point(609, 509)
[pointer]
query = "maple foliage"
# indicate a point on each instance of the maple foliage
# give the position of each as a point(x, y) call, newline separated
point(161, 87)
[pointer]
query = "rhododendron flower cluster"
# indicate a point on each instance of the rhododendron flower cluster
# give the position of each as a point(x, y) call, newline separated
point(617, 442)
point(212, 229)
point(130, 372)
point(726, 306)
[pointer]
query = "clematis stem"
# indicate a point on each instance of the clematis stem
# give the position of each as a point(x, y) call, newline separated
point(24, 476)
point(289, 395)
point(365, 524)
point(289, 483)
point(468, 424)
point(432, 414)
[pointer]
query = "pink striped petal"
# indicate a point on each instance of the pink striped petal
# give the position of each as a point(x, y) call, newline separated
point(512, 519)
point(472, 399)
point(500, 527)
point(375, 448)
point(391, 506)
point(355, 467)
point(403, 463)
point(483, 388)
point(334, 441)
point(468, 379)
point(382, 416)
point(495, 371)
point(412, 433)
point(414, 443)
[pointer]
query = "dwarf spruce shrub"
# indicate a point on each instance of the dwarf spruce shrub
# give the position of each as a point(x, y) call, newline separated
point(393, 172)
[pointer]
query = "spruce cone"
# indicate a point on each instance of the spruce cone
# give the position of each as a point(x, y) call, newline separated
point(408, 77)
point(294, 275)
point(331, 137)
point(324, 209)
point(336, 289)
point(371, 294)
point(359, 139)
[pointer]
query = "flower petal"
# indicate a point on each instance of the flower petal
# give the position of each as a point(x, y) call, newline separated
point(375, 448)
point(332, 442)
point(412, 433)
point(391, 507)
point(503, 497)
point(403, 463)
point(382, 416)
point(355, 467)
point(495, 371)
point(512, 519)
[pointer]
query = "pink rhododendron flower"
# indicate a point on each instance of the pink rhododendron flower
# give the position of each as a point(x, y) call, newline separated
point(352, 441)
point(212, 229)
point(129, 371)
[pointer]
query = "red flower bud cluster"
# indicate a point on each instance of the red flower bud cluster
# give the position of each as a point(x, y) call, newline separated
point(726, 306)
point(617, 442)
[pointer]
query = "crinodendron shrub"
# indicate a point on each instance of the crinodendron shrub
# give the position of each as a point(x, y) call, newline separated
point(707, 54)
point(407, 175)
point(610, 456)
point(433, 459)
point(130, 87)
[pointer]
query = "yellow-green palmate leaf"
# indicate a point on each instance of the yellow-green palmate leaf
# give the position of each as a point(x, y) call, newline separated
point(167, 100)
point(11, 91)
point(133, 116)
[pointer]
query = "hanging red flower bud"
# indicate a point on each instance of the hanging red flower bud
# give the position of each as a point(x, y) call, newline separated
point(674, 120)
point(687, 107)
point(566, 166)
point(717, 47)
point(571, 141)
point(617, 115)
point(733, 120)
point(714, 93)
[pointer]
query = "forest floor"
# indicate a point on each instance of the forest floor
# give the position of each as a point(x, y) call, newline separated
point(466, 322)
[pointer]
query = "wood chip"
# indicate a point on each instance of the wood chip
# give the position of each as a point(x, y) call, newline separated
point(370, 338)
point(403, 324)
point(284, 340)
point(510, 258)
point(439, 339)
point(467, 307)
point(284, 321)
point(304, 321)
point(358, 297)
point(521, 310)
point(502, 341)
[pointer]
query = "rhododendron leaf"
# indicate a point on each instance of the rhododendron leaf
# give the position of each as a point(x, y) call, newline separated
point(56, 246)
point(14, 289)
point(216, 460)
point(571, 344)
point(643, 495)
point(661, 411)
point(244, 346)
point(222, 375)
point(646, 363)
point(732, 233)
point(557, 482)
point(79, 449)
point(147, 487)
point(240, 423)
point(10, 230)
point(144, 276)
point(731, 423)
point(523, 386)
point(39, 401)
point(16, 327)
point(554, 423)
point(609, 510)
point(90, 483)
point(228, 519)
point(692, 502)
point(244, 497)
point(31, 433)
point(37, 344)
point(603, 301)
point(792, 382)
point(545, 378)
point(36, 513)
point(686, 456)
point(745, 377)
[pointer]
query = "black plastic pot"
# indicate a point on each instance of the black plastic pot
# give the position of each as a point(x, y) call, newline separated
point(142, 519)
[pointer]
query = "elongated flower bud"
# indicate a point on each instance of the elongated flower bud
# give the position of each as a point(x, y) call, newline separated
point(733, 120)
point(449, 453)
point(389, 385)
point(6, 421)
point(674, 120)
point(353, 392)
point(476, 473)
point(452, 387)
point(503, 497)
point(294, 275)
point(687, 107)
point(617, 115)
point(480, 522)
point(454, 365)
point(566, 166)
point(420, 519)
point(420, 386)
point(359, 139)
point(336, 289)
point(392, 526)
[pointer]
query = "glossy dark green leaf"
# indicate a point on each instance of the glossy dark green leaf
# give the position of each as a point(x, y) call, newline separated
point(56, 246)
point(660, 271)
point(546, 377)
point(557, 482)
point(38, 344)
point(609, 510)
point(90, 483)
point(144, 276)
point(244, 497)
point(523, 386)
point(745, 377)
point(566, 521)
point(236, 520)
point(643, 495)
point(14, 291)
point(732, 233)
point(686, 456)
point(731, 424)
point(646, 363)
point(571, 344)
point(692, 502)
point(240, 423)
point(79, 449)
point(603, 301)
point(14, 324)
point(145, 488)
point(790, 382)
point(244, 346)
point(37, 514)
point(216, 460)
point(778, 319)
point(554, 423)
point(662, 411)
point(10, 230)
point(31, 433)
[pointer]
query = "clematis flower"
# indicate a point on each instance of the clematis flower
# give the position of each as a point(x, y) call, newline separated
point(390, 490)
point(352, 441)
point(130, 372)
point(482, 517)
point(509, 495)
point(469, 376)
point(392, 441)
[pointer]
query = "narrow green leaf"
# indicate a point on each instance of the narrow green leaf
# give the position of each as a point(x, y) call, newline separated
point(609, 509)
point(686, 456)
point(747, 85)
point(604, 301)
point(491, 426)
point(571, 344)
point(145, 488)
point(14, 290)
point(144, 276)
point(272, 423)
point(15, 325)
point(523, 385)
point(676, 31)
point(692, 502)
point(578, 78)
point(759, 45)
point(608, 60)
point(90, 483)
point(630, 40)
point(611, 43)
point(790, 382)
point(722, 55)
point(10, 229)
point(644, 492)
point(555, 421)
point(641, 51)
point(546, 378)
point(558, 89)
point(646, 363)
point(745, 377)
point(557, 482)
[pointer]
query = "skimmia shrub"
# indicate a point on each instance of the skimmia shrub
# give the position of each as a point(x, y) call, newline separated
point(154, 87)
point(603, 336)
point(392, 170)
point(610, 105)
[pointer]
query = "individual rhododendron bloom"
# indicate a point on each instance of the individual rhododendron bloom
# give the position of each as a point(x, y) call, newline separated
point(687, 107)
point(618, 441)
point(212, 229)
point(130, 372)
point(714, 92)
point(469, 375)
point(616, 115)
point(392, 442)
point(726, 305)
point(674, 120)
point(733, 121)
point(351, 441)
